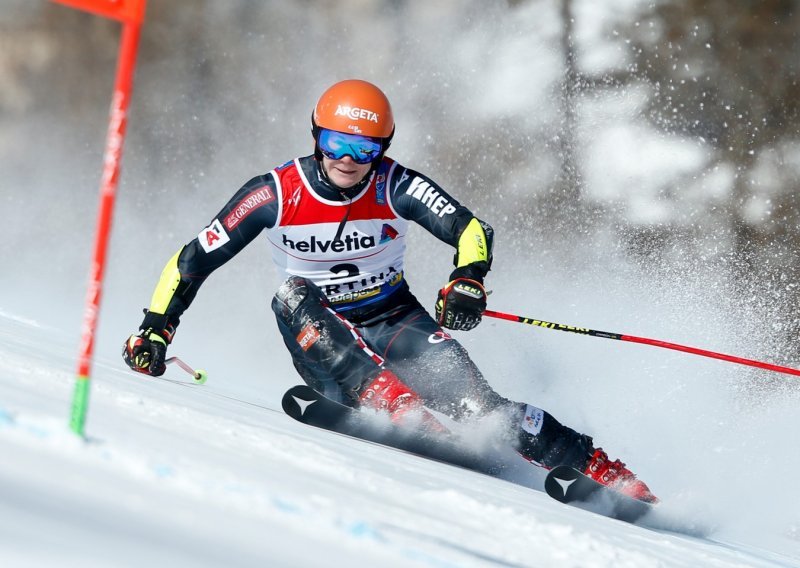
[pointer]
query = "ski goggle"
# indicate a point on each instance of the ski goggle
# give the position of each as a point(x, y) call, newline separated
point(337, 145)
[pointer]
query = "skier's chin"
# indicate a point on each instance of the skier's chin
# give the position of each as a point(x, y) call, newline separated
point(345, 179)
point(344, 173)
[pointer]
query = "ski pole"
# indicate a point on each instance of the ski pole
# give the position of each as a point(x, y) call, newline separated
point(200, 376)
point(643, 340)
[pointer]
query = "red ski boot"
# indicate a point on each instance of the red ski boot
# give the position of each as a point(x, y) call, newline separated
point(616, 476)
point(387, 392)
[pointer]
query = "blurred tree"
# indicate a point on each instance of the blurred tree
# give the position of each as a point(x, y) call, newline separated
point(570, 176)
point(727, 74)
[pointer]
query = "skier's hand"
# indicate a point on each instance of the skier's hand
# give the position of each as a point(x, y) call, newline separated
point(146, 352)
point(461, 303)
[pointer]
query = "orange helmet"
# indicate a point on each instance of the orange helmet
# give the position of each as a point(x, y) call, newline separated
point(354, 107)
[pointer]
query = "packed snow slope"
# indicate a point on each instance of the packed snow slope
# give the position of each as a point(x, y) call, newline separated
point(176, 474)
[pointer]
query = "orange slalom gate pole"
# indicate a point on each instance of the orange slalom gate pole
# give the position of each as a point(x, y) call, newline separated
point(115, 137)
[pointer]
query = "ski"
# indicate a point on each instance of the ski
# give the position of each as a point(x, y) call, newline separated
point(306, 405)
point(568, 485)
point(562, 483)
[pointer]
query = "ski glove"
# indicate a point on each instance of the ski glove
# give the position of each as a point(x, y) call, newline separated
point(146, 352)
point(461, 302)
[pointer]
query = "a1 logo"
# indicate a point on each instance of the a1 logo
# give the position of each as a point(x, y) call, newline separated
point(213, 237)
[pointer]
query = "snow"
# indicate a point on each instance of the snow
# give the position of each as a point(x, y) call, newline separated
point(177, 474)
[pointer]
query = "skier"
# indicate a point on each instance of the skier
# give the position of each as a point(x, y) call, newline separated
point(336, 222)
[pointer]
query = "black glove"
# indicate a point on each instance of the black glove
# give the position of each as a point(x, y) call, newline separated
point(146, 352)
point(462, 301)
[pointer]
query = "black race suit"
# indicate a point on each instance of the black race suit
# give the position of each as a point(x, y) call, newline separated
point(342, 321)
